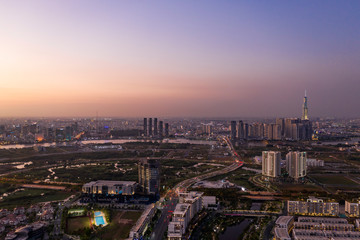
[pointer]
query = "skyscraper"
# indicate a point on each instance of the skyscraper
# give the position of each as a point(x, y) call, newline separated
point(281, 122)
point(150, 127)
point(161, 129)
point(145, 127)
point(271, 164)
point(166, 130)
point(246, 131)
point(305, 109)
point(155, 127)
point(149, 176)
point(240, 130)
point(233, 130)
point(296, 164)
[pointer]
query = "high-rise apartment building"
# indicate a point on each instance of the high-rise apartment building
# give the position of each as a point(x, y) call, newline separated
point(273, 131)
point(145, 127)
point(167, 130)
point(161, 129)
point(246, 131)
point(150, 128)
point(281, 122)
point(233, 130)
point(149, 176)
point(240, 130)
point(155, 127)
point(271, 164)
point(296, 164)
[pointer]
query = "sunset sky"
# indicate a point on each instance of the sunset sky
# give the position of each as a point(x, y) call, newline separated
point(179, 58)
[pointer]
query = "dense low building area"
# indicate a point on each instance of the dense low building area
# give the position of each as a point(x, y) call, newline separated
point(313, 228)
point(313, 206)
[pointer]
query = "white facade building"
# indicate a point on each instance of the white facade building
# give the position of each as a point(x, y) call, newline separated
point(271, 166)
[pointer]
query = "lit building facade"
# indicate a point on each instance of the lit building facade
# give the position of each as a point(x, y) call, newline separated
point(103, 187)
point(149, 176)
point(313, 206)
point(271, 164)
point(296, 164)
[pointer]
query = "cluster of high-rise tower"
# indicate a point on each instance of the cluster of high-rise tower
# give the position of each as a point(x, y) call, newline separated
point(295, 164)
point(155, 129)
point(283, 128)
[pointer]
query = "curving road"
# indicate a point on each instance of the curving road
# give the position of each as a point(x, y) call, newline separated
point(163, 222)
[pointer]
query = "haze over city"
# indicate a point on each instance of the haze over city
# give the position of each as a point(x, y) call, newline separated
point(171, 59)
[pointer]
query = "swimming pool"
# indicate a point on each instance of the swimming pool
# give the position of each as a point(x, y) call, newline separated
point(99, 221)
point(99, 218)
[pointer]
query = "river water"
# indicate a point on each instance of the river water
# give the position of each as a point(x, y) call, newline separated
point(234, 232)
point(113, 141)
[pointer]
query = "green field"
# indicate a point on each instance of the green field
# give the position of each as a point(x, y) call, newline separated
point(31, 196)
point(75, 224)
point(120, 225)
point(334, 179)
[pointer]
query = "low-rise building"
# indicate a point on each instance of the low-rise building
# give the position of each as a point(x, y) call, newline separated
point(19, 210)
point(4, 212)
point(357, 224)
point(313, 206)
point(282, 234)
point(189, 204)
point(285, 222)
point(209, 202)
point(110, 187)
point(141, 225)
point(352, 209)
point(312, 162)
point(32, 231)
point(314, 228)
point(283, 225)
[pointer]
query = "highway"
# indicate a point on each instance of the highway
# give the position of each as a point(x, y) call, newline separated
point(165, 217)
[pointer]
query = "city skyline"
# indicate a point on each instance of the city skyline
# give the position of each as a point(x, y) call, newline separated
point(188, 59)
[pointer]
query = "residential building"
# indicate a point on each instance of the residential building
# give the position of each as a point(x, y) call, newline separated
point(313, 206)
point(149, 176)
point(105, 187)
point(352, 208)
point(296, 164)
point(271, 164)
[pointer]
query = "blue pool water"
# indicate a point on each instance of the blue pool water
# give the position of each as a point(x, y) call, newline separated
point(99, 220)
point(97, 213)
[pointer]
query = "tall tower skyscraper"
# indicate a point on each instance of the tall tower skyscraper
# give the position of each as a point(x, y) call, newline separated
point(150, 127)
point(149, 176)
point(305, 109)
point(145, 127)
point(233, 131)
point(155, 127)
point(161, 129)
point(240, 130)
point(166, 130)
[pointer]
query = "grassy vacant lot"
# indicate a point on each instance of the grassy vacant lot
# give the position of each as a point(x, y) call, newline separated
point(31, 196)
point(299, 190)
point(75, 224)
point(334, 179)
point(240, 177)
point(120, 225)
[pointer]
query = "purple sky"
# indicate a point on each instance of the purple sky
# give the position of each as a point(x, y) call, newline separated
point(179, 58)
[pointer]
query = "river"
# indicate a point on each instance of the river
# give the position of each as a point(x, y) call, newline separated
point(234, 232)
point(113, 141)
